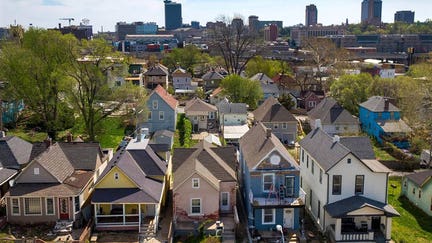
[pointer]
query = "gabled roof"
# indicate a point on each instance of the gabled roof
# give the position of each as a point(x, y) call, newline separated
point(342, 208)
point(220, 162)
point(212, 75)
point(267, 84)
point(216, 91)
point(157, 70)
point(180, 72)
point(255, 145)
point(167, 97)
point(272, 111)
point(328, 152)
point(14, 152)
point(196, 104)
point(330, 112)
point(420, 178)
point(377, 104)
point(82, 156)
point(225, 107)
point(262, 78)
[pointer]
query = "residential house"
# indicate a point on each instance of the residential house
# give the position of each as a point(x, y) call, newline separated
point(232, 119)
point(309, 99)
point(10, 110)
point(334, 118)
point(381, 119)
point(135, 76)
point(212, 80)
point(270, 181)
point(346, 187)
point(15, 154)
point(162, 114)
point(268, 86)
point(131, 190)
point(163, 137)
point(56, 185)
point(216, 96)
point(417, 187)
point(156, 75)
point(204, 184)
point(201, 114)
point(275, 116)
point(182, 80)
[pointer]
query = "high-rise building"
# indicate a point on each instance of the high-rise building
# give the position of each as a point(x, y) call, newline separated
point(253, 23)
point(237, 23)
point(173, 15)
point(371, 12)
point(270, 32)
point(404, 16)
point(311, 15)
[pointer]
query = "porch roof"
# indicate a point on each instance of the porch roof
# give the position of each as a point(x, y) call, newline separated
point(122, 195)
point(343, 207)
point(394, 126)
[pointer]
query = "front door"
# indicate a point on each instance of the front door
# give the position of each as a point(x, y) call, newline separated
point(64, 208)
point(288, 219)
point(376, 221)
point(224, 201)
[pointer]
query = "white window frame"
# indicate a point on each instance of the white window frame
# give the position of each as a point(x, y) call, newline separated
point(284, 125)
point(263, 181)
point(163, 115)
point(46, 206)
point(197, 181)
point(155, 105)
point(36, 171)
point(273, 215)
point(12, 206)
point(200, 206)
point(40, 204)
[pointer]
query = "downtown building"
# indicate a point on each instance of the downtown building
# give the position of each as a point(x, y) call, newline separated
point(404, 16)
point(371, 12)
point(173, 15)
point(311, 15)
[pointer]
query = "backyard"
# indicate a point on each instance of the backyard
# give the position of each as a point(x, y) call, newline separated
point(413, 225)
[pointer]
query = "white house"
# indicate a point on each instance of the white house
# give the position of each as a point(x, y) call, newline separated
point(346, 187)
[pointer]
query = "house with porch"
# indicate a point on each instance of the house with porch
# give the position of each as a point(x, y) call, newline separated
point(275, 116)
point(56, 185)
point(346, 187)
point(182, 80)
point(131, 190)
point(334, 118)
point(204, 185)
point(232, 118)
point(270, 181)
point(162, 111)
point(417, 187)
point(156, 75)
point(381, 119)
point(202, 115)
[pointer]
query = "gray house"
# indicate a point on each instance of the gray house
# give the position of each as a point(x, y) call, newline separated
point(269, 87)
point(275, 116)
point(211, 80)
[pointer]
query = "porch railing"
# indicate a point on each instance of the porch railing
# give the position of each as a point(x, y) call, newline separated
point(351, 236)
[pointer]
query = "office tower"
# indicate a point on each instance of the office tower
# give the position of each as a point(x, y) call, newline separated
point(253, 23)
point(311, 15)
point(270, 32)
point(371, 12)
point(195, 24)
point(173, 15)
point(237, 23)
point(404, 16)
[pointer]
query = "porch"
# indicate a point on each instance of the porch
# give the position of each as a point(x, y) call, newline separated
point(275, 200)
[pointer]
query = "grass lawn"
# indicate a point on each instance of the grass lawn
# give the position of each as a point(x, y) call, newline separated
point(382, 155)
point(413, 225)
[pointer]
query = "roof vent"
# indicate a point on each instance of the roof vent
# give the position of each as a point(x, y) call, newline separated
point(336, 139)
point(318, 124)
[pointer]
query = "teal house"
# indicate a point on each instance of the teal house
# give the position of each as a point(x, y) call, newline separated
point(11, 109)
point(417, 187)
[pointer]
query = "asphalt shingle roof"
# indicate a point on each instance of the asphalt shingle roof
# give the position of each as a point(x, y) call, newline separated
point(14, 152)
point(121, 195)
point(226, 107)
point(420, 178)
point(212, 75)
point(272, 111)
point(342, 207)
point(360, 146)
point(167, 97)
point(330, 112)
point(377, 104)
point(197, 104)
point(156, 70)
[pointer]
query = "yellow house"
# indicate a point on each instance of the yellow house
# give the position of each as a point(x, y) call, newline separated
point(131, 190)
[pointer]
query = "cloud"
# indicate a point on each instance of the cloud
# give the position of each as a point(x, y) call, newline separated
point(51, 3)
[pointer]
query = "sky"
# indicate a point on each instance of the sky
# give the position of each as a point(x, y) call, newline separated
point(104, 14)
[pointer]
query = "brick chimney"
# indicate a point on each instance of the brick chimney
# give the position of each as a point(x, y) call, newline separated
point(268, 132)
point(386, 104)
point(48, 142)
point(69, 137)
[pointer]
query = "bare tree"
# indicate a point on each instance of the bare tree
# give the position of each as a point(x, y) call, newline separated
point(234, 42)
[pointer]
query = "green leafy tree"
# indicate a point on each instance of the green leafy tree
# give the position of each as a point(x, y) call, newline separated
point(242, 90)
point(269, 67)
point(199, 92)
point(286, 101)
point(34, 67)
point(189, 58)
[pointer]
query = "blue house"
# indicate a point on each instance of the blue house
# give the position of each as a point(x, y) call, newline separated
point(382, 120)
point(270, 182)
point(11, 109)
point(162, 111)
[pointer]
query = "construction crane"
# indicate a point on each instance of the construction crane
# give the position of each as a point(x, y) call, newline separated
point(68, 19)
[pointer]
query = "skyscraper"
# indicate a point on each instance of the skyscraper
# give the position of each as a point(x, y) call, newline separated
point(173, 15)
point(404, 16)
point(311, 15)
point(371, 12)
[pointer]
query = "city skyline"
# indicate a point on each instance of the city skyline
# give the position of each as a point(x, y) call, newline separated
point(47, 13)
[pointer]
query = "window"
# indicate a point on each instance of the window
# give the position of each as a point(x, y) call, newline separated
point(310, 199)
point(211, 115)
point(405, 183)
point(301, 181)
point(431, 204)
point(359, 184)
point(275, 126)
point(349, 161)
point(32, 206)
point(196, 206)
point(419, 193)
point(307, 161)
point(413, 190)
point(320, 176)
point(155, 104)
point(268, 216)
point(77, 204)
point(289, 185)
point(313, 167)
point(202, 118)
point(302, 155)
point(268, 181)
point(319, 210)
point(49, 206)
point(36, 171)
point(195, 183)
point(116, 176)
point(149, 115)
point(337, 128)
point(161, 115)
point(337, 184)
point(284, 125)
point(195, 118)
point(15, 206)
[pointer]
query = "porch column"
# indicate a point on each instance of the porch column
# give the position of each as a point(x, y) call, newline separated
point(388, 228)
point(338, 229)
point(96, 212)
point(124, 214)
point(139, 217)
point(73, 208)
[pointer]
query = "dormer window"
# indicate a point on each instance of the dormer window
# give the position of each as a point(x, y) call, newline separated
point(36, 171)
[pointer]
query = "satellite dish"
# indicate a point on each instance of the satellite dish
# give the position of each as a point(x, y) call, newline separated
point(275, 159)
